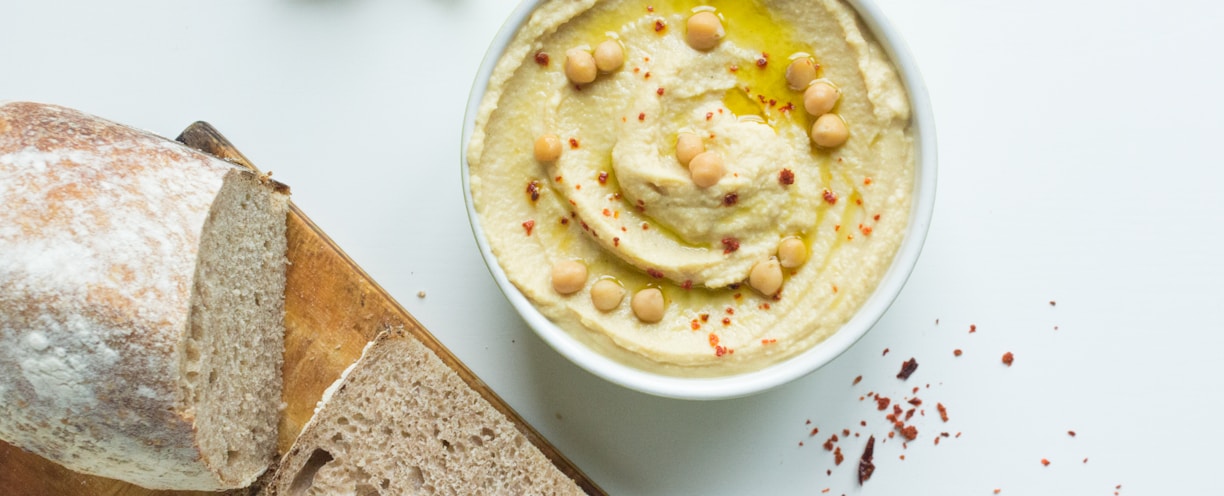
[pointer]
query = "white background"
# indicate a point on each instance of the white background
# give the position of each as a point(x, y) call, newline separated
point(1079, 149)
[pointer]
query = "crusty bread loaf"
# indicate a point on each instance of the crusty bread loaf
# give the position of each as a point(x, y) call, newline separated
point(141, 303)
point(399, 421)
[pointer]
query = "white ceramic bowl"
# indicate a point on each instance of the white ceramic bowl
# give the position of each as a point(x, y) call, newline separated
point(779, 373)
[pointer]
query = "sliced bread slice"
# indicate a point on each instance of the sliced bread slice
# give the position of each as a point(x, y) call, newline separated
point(399, 421)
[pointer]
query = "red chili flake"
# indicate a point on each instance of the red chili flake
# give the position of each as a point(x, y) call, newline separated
point(907, 368)
point(720, 351)
point(650, 8)
point(713, 338)
point(709, 115)
point(997, 491)
point(837, 456)
point(858, 201)
point(885, 352)
point(726, 321)
point(1045, 462)
point(1008, 358)
point(771, 341)
point(687, 284)
point(834, 288)
point(867, 181)
point(694, 324)
point(943, 411)
point(910, 432)
point(957, 352)
point(1052, 303)
point(705, 317)
point(828, 445)
point(564, 221)
point(733, 68)
point(830, 197)
point(607, 213)
point(972, 328)
point(882, 402)
point(762, 60)
point(877, 217)
point(646, 76)
point(1071, 433)
point(659, 26)
point(541, 58)
point(1085, 460)
point(915, 401)
point(659, 91)
point(730, 199)
point(937, 441)
point(603, 177)
point(616, 242)
point(573, 142)
point(772, 102)
point(761, 98)
point(786, 177)
point(529, 225)
point(787, 108)
point(533, 190)
point(655, 273)
point(763, 306)
point(857, 380)
point(909, 414)
point(866, 467)
point(559, 178)
point(577, 186)
point(866, 230)
point(730, 245)
point(729, 310)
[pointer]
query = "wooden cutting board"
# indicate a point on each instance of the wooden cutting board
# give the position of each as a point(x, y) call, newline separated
point(332, 309)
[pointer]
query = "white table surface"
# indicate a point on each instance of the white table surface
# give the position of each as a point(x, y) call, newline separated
point(1079, 149)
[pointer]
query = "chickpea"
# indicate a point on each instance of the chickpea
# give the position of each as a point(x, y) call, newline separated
point(792, 252)
point(647, 305)
point(606, 294)
point(830, 131)
point(800, 73)
point(766, 277)
point(568, 276)
point(548, 148)
point(706, 169)
point(819, 98)
point(580, 66)
point(704, 31)
point(688, 145)
point(609, 56)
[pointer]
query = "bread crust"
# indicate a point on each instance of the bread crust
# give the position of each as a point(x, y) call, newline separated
point(99, 238)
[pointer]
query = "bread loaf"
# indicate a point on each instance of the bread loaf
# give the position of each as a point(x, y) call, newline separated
point(400, 421)
point(141, 303)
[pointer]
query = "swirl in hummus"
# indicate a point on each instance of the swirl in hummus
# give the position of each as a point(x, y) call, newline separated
point(625, 151)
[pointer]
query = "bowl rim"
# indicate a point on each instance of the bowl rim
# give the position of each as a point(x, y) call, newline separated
point(777, 374)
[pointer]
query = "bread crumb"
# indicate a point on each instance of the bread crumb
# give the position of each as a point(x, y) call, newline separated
point(420, 294)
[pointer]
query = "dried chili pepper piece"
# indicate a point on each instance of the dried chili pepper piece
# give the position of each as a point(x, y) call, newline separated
point(866, 466)
point(907, 369)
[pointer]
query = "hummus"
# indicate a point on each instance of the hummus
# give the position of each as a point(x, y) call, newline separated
point(620, 202)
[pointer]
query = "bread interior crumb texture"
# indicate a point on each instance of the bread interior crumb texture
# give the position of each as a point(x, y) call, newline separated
point(230, 363)
point(405, 423)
